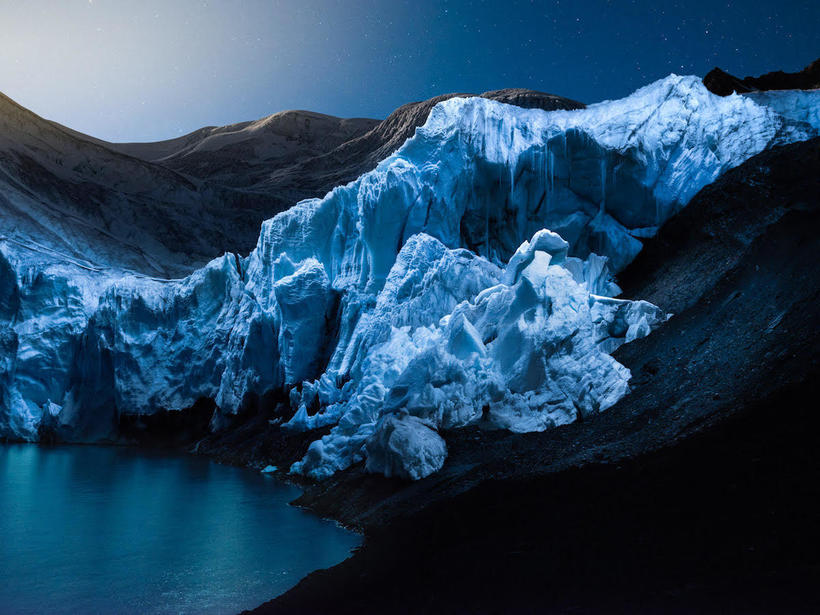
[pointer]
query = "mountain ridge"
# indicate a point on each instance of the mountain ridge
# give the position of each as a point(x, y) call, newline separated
point(719, 82)
point(194, 205)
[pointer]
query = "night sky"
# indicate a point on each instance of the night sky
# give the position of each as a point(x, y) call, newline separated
point(154, 69)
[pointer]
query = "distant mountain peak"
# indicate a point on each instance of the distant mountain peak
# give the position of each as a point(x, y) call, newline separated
point(719, 82)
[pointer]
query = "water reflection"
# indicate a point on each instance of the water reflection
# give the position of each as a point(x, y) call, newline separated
point(101, 529)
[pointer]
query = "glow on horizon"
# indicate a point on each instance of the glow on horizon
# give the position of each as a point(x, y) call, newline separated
point(122, 70)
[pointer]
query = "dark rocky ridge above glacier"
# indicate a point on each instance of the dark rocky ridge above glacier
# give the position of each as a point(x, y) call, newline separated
point(65, 198)
point(360, 155)
point(165, 208)
point(722, 83)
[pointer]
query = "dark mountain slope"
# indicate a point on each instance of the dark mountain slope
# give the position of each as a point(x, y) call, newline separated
point(103, 208)
point(150, 150)
point(240, 155)
point(722, 83)
point(697, 492)
point(315, 176)
point(696, 248)
point(166, 208)
point(300, 154)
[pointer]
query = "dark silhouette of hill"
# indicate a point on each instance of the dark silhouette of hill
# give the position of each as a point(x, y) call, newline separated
point(722, 83)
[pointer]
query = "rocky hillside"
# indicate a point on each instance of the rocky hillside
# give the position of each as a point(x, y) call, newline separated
point(64, 197)
point(315, 176)
point(244, 154)
point(164, 208)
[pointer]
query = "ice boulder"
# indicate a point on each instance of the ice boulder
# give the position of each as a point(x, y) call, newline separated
point(404, 446)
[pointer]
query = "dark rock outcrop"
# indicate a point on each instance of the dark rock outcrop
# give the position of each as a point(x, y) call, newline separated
point(532, 99)
point(722, 83)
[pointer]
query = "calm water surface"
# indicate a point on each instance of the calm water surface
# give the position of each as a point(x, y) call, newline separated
point(87, 529)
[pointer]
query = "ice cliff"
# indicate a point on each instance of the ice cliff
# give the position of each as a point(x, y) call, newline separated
point(465, 280)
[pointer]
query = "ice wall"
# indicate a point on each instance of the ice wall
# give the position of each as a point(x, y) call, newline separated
point(423, 295)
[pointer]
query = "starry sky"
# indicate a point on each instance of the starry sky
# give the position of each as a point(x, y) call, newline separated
point(154, 69)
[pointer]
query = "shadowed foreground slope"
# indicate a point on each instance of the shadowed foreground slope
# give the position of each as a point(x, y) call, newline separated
point(698, 491)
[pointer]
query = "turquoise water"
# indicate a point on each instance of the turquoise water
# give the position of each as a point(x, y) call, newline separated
point(86, 529)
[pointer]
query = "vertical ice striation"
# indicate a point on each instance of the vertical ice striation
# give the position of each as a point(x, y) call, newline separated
point(467, 279)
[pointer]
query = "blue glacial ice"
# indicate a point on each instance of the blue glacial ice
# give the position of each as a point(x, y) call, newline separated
point(468, 279)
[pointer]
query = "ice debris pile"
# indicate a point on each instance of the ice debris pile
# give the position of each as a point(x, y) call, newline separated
point(454, 341)
point(426, 295)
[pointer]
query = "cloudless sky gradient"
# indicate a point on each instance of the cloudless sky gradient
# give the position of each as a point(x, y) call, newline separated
point(126, 70)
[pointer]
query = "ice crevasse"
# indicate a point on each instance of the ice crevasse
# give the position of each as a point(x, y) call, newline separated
point(468, 279)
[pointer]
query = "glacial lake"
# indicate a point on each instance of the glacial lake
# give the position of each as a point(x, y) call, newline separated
point(88, 529)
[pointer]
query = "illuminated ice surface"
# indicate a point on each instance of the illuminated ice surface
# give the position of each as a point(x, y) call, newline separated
point(467, 279)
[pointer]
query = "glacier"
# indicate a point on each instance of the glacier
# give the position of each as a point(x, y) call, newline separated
point(468, 279)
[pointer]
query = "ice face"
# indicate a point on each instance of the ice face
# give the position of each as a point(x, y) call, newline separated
point(465, 280)
point(526, 352)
